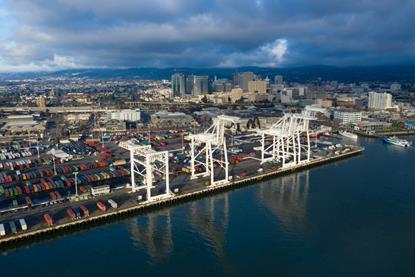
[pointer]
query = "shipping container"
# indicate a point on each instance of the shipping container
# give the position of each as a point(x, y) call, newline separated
point(119, 162)
point(84, 210)
point(52, 196)
point(101, 206)
point(82, 189)
point(28, 201)
point(2, 230)
point(58, 195)
point(13, 227)
point(23, 224)
point(113, 204)
point(48, 219)
point(71, 213)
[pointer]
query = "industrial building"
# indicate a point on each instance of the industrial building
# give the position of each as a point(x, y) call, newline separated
point(22, 124)
point(126, 115)
point(169, 119)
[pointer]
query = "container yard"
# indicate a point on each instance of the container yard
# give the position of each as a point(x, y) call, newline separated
point(44, 194)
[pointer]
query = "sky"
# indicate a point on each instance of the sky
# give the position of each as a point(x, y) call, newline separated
point(38, 35)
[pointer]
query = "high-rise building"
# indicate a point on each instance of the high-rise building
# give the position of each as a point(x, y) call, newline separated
point(41, 101)
point(241, 79)
point(200, 85)
point(259, 86)
point(236, 79)
point(279, 80)
point(189, 84)
point(178, 84)
point(379, 101)
point(222, 85)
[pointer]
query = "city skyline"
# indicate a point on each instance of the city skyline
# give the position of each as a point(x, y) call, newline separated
point(43, 35)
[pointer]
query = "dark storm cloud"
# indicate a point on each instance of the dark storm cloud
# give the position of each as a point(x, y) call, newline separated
point(77, 33)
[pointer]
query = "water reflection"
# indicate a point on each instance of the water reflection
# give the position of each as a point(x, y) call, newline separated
point(210, 218)
point(286, 198)
point(153, 232)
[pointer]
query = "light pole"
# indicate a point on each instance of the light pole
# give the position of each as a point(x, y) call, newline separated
point(37, 147)
point(76, 183)
point(30, 144)
point(53, 158)
point(102, 138)
point(182, 142)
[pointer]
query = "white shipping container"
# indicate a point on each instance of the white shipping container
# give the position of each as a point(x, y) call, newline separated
point(23, 224)
point(2, 230)
point(113, 204)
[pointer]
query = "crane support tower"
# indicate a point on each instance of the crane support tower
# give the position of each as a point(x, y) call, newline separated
point(148, 165)
point(208, 150)
point(283, 142)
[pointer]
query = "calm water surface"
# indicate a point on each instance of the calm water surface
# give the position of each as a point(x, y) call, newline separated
point(352, 218)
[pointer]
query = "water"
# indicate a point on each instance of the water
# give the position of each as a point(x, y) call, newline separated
point(352, 218)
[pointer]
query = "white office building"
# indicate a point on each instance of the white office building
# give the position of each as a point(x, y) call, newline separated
point(347, 117)
point(126, 115)
point(379, 101)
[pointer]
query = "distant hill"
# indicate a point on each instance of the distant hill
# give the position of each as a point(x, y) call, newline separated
point(294, 74)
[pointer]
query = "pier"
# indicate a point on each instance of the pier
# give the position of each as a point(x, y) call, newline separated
point(174, 199)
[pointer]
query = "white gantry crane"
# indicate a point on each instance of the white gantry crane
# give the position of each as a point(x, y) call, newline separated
point(208, 150)
point(282, 142)
point(149, 165)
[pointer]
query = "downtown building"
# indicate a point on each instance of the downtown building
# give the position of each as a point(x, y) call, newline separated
point(379, 101)
point(242, 80)
point(178, 83)
point(197, 85)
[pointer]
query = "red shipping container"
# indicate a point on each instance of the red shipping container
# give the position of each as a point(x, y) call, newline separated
point(48, 219)
point(84, 210)
point(70, 213)
point(101, 206)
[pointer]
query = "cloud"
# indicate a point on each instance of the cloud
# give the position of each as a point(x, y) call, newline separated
point(57, 63)
point(267, 55)
point(128, 33)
